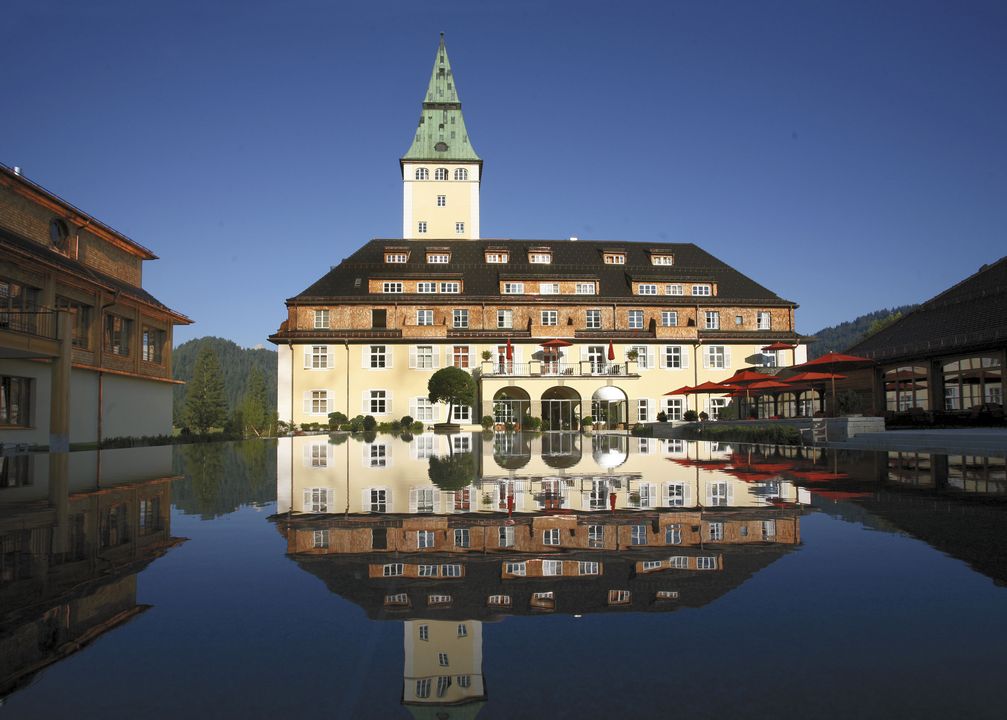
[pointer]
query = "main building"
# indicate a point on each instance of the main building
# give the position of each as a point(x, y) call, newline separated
point(558, 329)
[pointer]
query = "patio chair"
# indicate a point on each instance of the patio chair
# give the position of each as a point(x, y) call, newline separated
point(817, 434)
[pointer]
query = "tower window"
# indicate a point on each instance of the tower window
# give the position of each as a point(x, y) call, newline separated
point(461, 173)
point(421, 226)
point(441, 174)
point(459, 228)
point(422, 174)
point(442, 200)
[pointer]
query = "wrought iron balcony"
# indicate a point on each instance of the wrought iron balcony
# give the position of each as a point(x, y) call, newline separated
point(545, 368)
point(39, 323)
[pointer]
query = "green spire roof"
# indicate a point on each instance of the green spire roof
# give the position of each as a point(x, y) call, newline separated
point(441, 133)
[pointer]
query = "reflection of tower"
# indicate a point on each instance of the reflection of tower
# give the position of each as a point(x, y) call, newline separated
point(443, 666)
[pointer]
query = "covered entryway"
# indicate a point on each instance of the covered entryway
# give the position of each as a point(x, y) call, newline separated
point(510, 404)
point(560, 408)
point(609, 406)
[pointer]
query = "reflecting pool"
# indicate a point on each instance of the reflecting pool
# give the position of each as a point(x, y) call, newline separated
point(463, 576)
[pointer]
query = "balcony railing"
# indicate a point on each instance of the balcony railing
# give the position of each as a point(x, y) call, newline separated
point(40, 323)
point(544, 368)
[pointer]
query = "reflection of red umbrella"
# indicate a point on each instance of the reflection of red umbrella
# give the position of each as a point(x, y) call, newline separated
point(510, 350)
point(611, 501)
point(781, 503)
point(707, 464)
point(751, 477)
point(510, 505)
point(836, 495)
point(818, 475)
point(611, 351)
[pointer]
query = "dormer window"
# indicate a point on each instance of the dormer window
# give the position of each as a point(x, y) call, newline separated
point(662, 259)
point(646, 289)
point(422, 174)
point(441, 174)
point(674, 290)
point(396, 256)
point(461, 173)
point(497, 257)
point(614, 258)
point(548, 288)
point(438, 258)
point(540, 257)
point(702, 290)
point(586, 288)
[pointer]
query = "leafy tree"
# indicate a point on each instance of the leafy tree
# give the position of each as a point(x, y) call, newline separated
point(205, 403)
point(453, 386)
point(453, 472)
point(255, 408)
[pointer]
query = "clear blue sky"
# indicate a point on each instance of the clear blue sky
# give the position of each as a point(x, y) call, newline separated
point(848, 155)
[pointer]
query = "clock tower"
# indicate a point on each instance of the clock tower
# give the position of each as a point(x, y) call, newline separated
point(441, 171)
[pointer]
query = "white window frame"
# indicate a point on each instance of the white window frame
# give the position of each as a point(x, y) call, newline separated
point(635, 319)
point(673, 408)
point(646, 289)
point(422, 174)
point(426, 539)
point(586, 288)
point(438, 258)
point(638, 535)
point(393, 570)
point(391, 287)
point(421, 227)
point(551, 536)
point(461, 356)
point(662, 259)
point(716, 357)
point(461, 414)
point(712, 320)
point(673, 534)
point(505, 536)
point(505, 319)
point(378, 357)
point(764, 320)
point(319, 357)
point(497, 258)
point(669, 318)
point(461, 173)
point(441, 174)
point(376, 400)
point(426, 287)
point(702, 289)
point(705, 562)
point(451, 287)
point(318, 402)
point(460, 318)
point(451, 570)
point(513, 288)
point(442, 200)
point(587, 567)
point(425, 357)
point(592, 319)
point(614, 258)
point(540, 258)
point(674, 289)
point(643, 356)
point(596, 536)
point(643, 410)
point(552, 568)
point(549, 318)
point(425, 317)
point(321, 319)
point(519, 568)
point(548, 288)
point(459, 228)
point(424, 410)
point(679, 562)
point(463, 538)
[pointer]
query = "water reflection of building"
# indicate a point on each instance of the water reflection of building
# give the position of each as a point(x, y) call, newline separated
point(553, 524)
point(952, 502)
point(72, 545)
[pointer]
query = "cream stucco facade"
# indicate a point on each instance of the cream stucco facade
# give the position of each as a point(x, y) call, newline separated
point(440, 208)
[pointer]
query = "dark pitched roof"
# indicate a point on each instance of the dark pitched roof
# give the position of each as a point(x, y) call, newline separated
point(54, 259)
point(571, 259)
point(971, 315)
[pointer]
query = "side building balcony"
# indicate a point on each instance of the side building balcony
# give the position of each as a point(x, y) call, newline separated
point(29, 333)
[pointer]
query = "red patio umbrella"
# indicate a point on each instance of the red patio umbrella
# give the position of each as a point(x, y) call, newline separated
point(778, 346)
point(555, 343)
point(833, 362)
point(684, 390)
point(510, 350)
point(611, 351)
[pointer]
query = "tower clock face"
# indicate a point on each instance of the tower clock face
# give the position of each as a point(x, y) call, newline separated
point(441, 147)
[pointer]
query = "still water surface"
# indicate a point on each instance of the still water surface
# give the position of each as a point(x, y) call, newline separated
point(457, 577)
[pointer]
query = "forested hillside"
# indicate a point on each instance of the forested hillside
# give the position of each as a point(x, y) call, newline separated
point(236, 363)
point(840, 337)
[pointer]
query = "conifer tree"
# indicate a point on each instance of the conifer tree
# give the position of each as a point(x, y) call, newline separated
point(205, 404)
point(255, 404)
